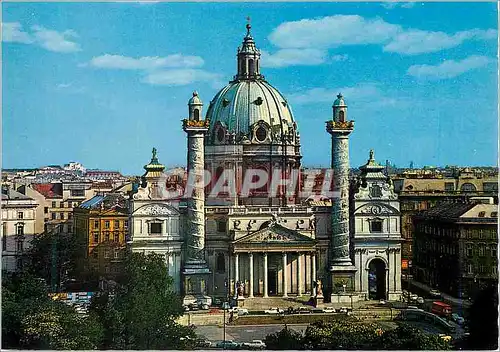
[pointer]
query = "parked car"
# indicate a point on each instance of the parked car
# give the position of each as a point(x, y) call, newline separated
point(381, 301)
point(457, 319)
point(420, 300)
point(254, 345)
point(204, 343)
point(228, 344)
point(343, 310)
point(242, 311)
point(303, 310)
point(274, 311)
point(329, 310)
point(434, 293)
point(413, 297)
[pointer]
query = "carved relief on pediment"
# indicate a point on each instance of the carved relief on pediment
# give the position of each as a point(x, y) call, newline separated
point(156, 210)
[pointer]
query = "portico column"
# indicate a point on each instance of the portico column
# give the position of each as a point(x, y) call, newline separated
point(236, 268)
point(285, 279)
point(265, 275)
point(313, 273)
point(299, 274)
point(250, 286)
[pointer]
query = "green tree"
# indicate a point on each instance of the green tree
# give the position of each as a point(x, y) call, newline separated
point(31, 320)
point(286, 339)
point(346, 334)
point(141, 311)
point(406, 337)
point(54, 255)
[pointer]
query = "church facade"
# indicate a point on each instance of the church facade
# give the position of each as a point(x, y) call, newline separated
point(240, 233)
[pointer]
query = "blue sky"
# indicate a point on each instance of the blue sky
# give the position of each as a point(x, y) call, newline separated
point(102, 83)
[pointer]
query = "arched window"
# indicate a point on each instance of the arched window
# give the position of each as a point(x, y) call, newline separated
point(251, 63)
point(220, 266)
point(341, 116)
point(196, 114)
point(468, 187)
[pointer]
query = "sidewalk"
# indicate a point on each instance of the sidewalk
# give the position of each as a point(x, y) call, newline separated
point(446, 297)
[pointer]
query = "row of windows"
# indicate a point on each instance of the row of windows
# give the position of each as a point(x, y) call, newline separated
point(482, 251)
point(69, 204)
point(108, 254)
point(107, 224)
point(19, 243)
point(481, 269)
point(106, 236)
point(61, 216)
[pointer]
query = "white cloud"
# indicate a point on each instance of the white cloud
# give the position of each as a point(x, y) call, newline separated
point(359, 93)
point(449, 68)
point(56, 41)
point(146, 62)
point(46, 38)
point(328, 32)
point(334, 31)
point(289, 57)
point(417, 41)
point(13, 32)
point(393, 4)
point(342, 57)
point(180, 77)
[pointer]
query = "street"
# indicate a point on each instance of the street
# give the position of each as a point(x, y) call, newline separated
point(243, 333)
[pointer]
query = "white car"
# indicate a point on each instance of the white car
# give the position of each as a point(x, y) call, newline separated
point(420, 300)
point(413, 297)
point(343, 310)
point(274, 311)
point(329, 310)
point(242, 311)
point(255, 344)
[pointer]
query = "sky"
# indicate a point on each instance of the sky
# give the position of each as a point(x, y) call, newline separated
point(104, 83)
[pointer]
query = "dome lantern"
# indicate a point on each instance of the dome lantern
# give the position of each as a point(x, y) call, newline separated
point(195, 107)
point(339, 109)
point(248, 58)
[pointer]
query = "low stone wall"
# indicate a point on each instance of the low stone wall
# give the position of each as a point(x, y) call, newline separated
point(346, 298)
point(202, 319)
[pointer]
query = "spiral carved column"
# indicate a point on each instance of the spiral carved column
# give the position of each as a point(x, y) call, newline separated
point(196, 202)
point(340, 206)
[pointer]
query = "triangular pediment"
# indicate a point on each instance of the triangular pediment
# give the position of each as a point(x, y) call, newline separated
point(275, 233)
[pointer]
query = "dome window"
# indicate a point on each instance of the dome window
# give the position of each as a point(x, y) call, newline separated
point(341, 116)
point(220, 135)
point(225, 102)
point(258, 101)
point(284, 103)
point(261, 134)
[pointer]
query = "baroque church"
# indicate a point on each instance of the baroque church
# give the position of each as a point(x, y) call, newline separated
point(253, 244)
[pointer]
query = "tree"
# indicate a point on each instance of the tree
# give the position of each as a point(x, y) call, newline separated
point(483, 320)
point(344, 334)
point(53, 254)
point(31, 320)
point(406, 337)
point(141, 312)
point(285, 339)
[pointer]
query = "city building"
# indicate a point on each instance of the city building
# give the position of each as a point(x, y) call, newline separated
point(18, 227)
point(102, 223)
point(271, 240)
point(455, 247)
point(377, 233)
point(421, 189)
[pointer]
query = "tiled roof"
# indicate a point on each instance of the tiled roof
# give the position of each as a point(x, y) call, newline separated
point(10, 194)
point(447, 211)
point(49, 190)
